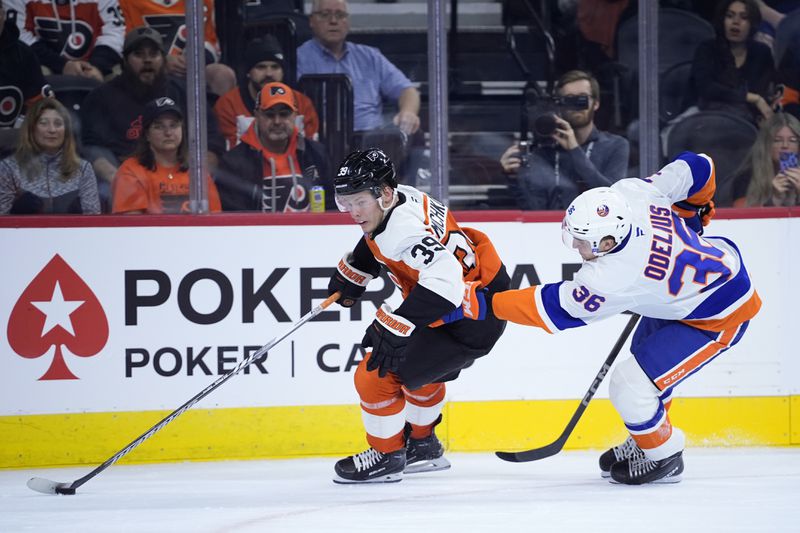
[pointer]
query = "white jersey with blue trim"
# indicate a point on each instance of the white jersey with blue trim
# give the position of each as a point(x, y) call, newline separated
point(662, 269)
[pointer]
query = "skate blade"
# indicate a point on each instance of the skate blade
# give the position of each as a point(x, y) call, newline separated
point(604, 474)
point(388, 478)
point(662, 481)
point(433, 465)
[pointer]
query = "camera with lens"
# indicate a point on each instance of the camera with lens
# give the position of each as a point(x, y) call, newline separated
point(541, 110)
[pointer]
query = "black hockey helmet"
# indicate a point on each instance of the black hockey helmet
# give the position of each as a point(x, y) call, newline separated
point(365, 170)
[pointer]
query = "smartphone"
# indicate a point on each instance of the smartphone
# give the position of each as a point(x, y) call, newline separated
point(788, 160)
point(524, 153)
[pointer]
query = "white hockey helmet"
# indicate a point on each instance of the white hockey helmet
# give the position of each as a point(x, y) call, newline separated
point(597, 213)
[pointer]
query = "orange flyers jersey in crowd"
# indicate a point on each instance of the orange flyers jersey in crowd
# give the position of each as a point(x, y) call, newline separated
point(169, 18)
point(75, 29)
point(235, 118)
point(421, 242)
point(164, 190)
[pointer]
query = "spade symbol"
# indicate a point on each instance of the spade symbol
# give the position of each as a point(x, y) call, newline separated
point(57, 308)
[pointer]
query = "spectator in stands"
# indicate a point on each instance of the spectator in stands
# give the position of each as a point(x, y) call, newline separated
point(769, 175)
point(22, 80)
point(373, 76)
point(788, 78)
point(274, 168)
point(111, 114)
point(169, 18)
point(45, 175)
point(264, 63)
point(73, 38)
point(733, 72)
point(156, 178)
point(576, 157)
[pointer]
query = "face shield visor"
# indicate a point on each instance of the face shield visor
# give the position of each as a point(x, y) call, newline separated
point(360, 201)
point(572, 243)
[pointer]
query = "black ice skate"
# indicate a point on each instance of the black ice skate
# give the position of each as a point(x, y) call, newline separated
point(425, 455)
point(371, 466)
point(627, 450)
point(640, 470)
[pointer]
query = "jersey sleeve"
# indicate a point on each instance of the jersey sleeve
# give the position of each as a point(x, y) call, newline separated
point(690, 177)
point(108, 46)
point(24, 23)
point(364, 260)
point(225, 112)
point(557, 306)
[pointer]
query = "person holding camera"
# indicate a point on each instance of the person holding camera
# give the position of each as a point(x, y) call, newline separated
point(568, 154)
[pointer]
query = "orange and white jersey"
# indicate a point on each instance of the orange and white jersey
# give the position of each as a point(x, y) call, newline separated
point(169, 18)
point(662, 269)
point(420, 242)
point(75, 28)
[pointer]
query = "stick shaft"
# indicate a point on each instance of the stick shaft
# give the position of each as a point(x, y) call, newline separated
point(205, 392)
point(558, 444)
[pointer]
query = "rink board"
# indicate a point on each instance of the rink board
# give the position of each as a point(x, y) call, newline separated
point(186, 298)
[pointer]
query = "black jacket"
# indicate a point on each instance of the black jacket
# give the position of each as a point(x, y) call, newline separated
point(20, 74)
point(111, 116)
point(240, 179)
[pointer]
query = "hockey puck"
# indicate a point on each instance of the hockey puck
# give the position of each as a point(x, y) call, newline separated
point(65, 490)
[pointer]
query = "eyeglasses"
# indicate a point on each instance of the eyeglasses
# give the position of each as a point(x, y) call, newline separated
point(283, 114)
point(329, 15)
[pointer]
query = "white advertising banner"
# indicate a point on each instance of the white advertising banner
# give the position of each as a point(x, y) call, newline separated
point(99, 319)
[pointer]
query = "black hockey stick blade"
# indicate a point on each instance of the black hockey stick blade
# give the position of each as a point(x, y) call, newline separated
point(557, 445)
point(532, 455)
point(45, 486)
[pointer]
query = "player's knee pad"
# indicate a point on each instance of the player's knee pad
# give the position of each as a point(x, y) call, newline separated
point(372, 388)
point(632, 393)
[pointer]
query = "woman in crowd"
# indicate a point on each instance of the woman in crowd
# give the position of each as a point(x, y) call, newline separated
point(45, 174)
point(156, 178)
point(733, 72)
point(770, 175)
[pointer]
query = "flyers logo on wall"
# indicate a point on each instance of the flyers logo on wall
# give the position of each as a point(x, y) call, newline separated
point(59, 309)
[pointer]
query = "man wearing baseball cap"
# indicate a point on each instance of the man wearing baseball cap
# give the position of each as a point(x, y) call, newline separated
point(274, 168)
point(111, 115)
point(263, 63)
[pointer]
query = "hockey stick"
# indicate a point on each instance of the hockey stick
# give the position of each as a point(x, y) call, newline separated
point(46, 486)
point(554, 447)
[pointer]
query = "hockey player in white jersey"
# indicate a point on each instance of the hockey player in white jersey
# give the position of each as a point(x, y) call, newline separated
point(693, 293)
point(410, 351)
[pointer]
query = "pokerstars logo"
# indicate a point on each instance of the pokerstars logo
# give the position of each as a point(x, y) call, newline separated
point(57, 309)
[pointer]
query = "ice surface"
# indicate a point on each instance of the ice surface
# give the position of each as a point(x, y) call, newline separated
point(740, 489)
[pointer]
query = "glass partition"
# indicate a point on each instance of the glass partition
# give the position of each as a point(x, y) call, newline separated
point(543, 100)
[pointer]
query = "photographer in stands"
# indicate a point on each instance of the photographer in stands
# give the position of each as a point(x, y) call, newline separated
point(568, 154)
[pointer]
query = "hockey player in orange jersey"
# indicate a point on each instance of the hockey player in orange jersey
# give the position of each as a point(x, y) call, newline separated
point(410, 351)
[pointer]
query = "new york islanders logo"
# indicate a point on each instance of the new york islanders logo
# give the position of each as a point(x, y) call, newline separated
point(602, 210)
point(57, 309)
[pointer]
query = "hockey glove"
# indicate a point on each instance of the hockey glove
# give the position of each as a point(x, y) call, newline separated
point(348, 280)
point(696, 216)
point(474, 305)
point(388, 335)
